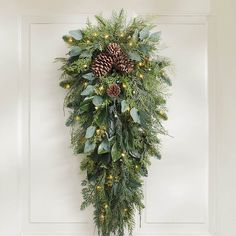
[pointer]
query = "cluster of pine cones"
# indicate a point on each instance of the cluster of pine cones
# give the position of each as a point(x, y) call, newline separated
point(113, 57)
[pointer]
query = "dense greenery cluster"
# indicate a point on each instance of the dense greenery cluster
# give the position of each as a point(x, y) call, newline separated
point(117, 134)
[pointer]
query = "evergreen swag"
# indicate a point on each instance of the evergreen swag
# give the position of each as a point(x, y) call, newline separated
point(116, 98)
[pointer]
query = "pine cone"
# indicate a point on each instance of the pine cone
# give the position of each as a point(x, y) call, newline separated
point(114, 49)
point(113, 90)
point(102, 64)
point(123, 64)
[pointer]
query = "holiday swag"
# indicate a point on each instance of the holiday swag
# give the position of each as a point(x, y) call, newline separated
point(116, 98)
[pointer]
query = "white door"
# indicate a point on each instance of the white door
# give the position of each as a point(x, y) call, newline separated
point(42, 193)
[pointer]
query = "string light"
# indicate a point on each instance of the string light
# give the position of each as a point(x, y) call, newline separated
point(115, 116)
point(101, 88)
point(130, 44)
point(110, 177)
point(96, 107)
point(136, 166)
point(134, 92)
point(106, 36)
point(98, 187)
point(98, 131)
point(87, 41)
point(70, 39)
point(140, 64)
point(141, 76)
point(125, 210)
point(124, 86)
point(85, 83)
point(85, 66)
point(95, 34)
point(121, 35)
point(123, 154)
point(77, 118)
point(67, 86)
point(105, 206)
point(162, 113)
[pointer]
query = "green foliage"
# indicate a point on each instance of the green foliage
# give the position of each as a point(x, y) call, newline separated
point(119, 135)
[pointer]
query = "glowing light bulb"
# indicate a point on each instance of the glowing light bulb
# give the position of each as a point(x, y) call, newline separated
point(70, 40)
point(77, 118)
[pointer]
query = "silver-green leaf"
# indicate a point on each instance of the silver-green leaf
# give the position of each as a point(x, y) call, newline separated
point(88, 76)
point(89, 146)
point(90, 131)
point(135, 116)
point(134, 56)
point(124, 106)
point(76, 34)
point(155, 36)
point(104, 147)
point(75, 51)
point(144, 33)
point(89, 90)
point(115, 153)
point(97, 100)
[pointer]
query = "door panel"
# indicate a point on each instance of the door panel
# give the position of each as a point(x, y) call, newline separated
point(176, 190)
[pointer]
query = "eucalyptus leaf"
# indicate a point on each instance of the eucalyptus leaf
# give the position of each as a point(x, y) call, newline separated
point(76, 34)
point(167, 80)
point(115, 153)
point(85, 54)
point(124, 106)
point(144, 33)
point(135, 154)
point(134, 56)
point(104, 147)
point(135, 116)
point(97, 100)
point(88, 76)
point(155, 36)
point(89, 90)
point(89, 146)
point(136, 33)
point(75, 51)
point(90, 131)
point(145, 49)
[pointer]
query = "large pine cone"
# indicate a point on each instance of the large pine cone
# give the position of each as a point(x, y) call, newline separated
point(102, 64)
point(114, 49)
point(113, 90)
point(122, 63)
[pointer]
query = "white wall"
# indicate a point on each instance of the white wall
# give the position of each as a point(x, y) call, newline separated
point(222, 57)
